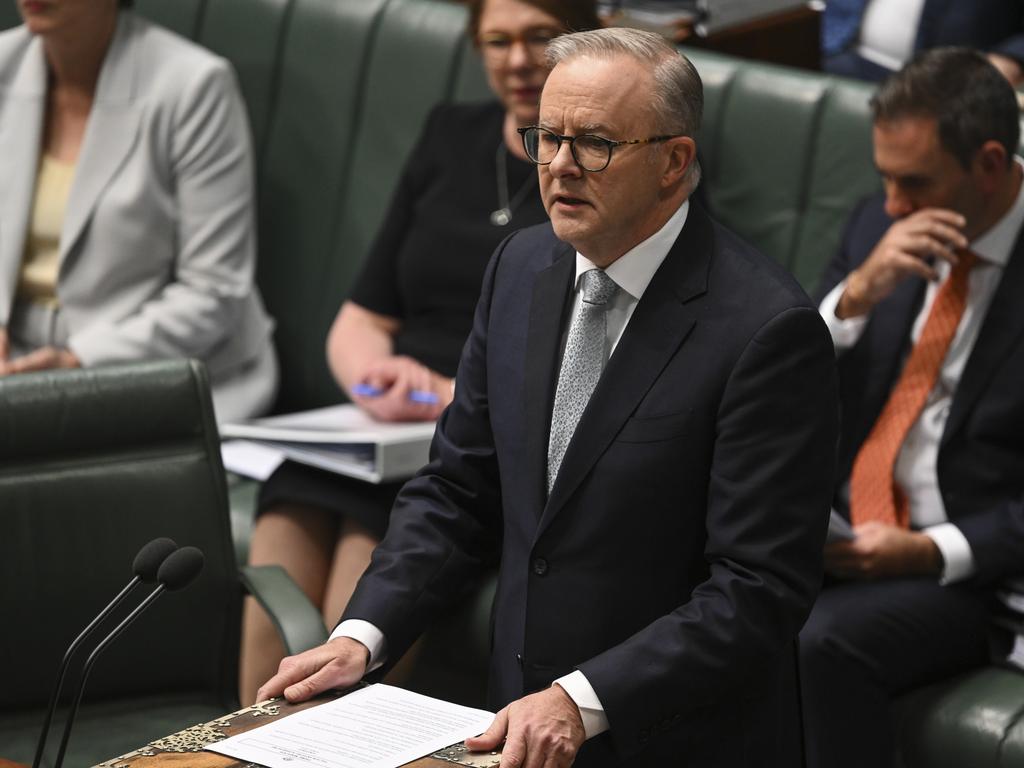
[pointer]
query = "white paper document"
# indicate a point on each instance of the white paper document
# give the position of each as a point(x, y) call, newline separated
point(250, 459)
point(374, 727)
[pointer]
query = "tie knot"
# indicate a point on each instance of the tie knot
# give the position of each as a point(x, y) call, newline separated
point(597, 286)
point(967, 260)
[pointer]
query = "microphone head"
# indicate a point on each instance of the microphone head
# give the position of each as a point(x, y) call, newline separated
point(147, 563)
point(180, 568)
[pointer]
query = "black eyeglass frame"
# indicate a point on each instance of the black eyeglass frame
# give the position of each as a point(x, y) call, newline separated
point(611, 144)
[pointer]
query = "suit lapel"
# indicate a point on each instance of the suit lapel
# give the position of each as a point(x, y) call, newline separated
point(109, 136)
point(21, 134)
point(551, 292)
point(661, 322)
point(1002, 327)
point(931, 13)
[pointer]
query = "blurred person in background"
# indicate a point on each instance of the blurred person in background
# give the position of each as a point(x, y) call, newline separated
point(126, 219)
point(870, 39)
point(923, 304)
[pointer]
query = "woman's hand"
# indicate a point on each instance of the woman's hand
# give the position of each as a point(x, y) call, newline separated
point(398, 388)
point(42, 359)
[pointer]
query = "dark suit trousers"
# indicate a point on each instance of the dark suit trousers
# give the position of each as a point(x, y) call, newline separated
point(867, 642)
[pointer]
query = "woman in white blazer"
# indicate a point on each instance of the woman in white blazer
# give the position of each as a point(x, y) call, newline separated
point(126, 203)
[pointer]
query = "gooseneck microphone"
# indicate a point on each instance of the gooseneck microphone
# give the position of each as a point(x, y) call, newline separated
point(176, 572)
point(146, 567)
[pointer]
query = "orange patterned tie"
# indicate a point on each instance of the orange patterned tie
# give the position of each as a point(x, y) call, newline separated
point(874, 494)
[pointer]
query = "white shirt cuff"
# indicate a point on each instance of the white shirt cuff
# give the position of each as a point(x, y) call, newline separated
point(367, 634)
point(845, 333)
point(582, 693)
point(956, 552)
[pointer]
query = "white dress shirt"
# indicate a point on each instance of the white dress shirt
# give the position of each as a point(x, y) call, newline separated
point(916, 463)
point(632, 273)
point(888, 31)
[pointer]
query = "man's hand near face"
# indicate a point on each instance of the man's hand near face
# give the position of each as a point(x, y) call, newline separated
point(882, 551)
point(1008, 67)
point(542, 730)
point(338, 663)
point(903, 252)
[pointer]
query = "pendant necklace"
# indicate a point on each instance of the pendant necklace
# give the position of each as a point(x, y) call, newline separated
point(503, 215)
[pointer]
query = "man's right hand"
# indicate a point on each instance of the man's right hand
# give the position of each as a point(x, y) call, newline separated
point(904, 251)
point(338, 663)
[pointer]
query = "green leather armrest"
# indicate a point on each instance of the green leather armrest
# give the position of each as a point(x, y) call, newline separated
point(297, 620)
point(243, 493)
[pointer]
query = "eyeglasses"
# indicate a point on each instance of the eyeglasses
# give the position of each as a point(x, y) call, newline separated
point(591, 152)
point(497, 45)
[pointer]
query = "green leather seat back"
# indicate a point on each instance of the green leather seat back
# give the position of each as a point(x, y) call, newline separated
point(411, 68)
point(786, 154)
point(9, 16)
point(470, 81)
point(93, 464)
point(303, 178)
point(182, 16)
point(250, 35)
point(974, 720)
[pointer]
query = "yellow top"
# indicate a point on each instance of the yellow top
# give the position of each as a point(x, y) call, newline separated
point(38, 279)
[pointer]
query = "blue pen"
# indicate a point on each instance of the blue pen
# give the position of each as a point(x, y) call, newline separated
point(367, 390)
point(422, 396)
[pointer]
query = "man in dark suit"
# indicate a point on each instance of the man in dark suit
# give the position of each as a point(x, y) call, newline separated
point(868, 39)
point(660, 521)
point(924, 305)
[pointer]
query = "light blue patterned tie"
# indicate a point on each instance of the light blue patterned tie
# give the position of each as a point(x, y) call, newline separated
point(586, 351)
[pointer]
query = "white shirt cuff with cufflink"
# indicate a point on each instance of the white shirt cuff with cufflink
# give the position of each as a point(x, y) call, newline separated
point(367, 634)
point(956, 552)
point(845, 333)
point(583, 694)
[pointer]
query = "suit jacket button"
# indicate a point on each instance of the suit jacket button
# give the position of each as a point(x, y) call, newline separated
point(540, 566)
point(519, 659)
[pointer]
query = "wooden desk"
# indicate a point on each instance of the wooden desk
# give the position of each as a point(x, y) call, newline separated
point(184, 749)
point(791, 37)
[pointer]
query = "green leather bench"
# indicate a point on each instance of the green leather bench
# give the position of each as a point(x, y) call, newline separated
point(337, 91)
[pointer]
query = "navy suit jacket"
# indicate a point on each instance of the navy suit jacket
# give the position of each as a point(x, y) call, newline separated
point(680, 549)
point(995, 26)
point(981, 456)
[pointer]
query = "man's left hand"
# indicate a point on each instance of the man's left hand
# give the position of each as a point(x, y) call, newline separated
point(43, 359)
point(882, 551)
point(542, 730)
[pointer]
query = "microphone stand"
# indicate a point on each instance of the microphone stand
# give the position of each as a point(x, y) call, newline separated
point(55, 695)
point(91, 660)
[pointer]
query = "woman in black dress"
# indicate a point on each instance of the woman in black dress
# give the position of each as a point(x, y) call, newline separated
point(466, 185)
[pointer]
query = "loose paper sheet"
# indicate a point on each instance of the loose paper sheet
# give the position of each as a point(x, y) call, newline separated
point(374, 727)
point(839, 529)
point(250, 459)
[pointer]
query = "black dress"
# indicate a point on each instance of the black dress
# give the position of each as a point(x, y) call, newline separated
point(425, 268)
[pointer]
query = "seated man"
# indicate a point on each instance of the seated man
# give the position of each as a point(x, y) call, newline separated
point(660, 518)
point(870, 39)
point(924, 305)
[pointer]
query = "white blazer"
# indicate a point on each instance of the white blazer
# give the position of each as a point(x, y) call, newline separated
point(158, 249)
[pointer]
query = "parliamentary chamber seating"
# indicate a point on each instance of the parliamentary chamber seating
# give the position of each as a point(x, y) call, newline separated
point(337, 91)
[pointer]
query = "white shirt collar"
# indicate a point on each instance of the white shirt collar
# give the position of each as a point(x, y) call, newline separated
point(996, 245)
point(633, 271)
